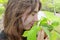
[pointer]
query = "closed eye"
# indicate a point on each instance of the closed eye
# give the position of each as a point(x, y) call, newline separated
point(34, 12)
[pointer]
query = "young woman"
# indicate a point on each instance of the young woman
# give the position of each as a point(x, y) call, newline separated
point(20, 15)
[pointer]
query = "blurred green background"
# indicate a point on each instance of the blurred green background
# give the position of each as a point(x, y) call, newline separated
point(47, 5)
point(51, 5)
point(2, 7)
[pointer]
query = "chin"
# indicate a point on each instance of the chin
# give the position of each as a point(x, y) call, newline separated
point(29, 26)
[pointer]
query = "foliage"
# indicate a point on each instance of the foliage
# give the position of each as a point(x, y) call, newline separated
point(48, 24)
point(31, 34)
point(50, 5)
point(2, 7)
point(48, 28)
point(3, 1)
point(52, 17)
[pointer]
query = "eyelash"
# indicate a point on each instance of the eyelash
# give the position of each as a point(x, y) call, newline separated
point(34, 13)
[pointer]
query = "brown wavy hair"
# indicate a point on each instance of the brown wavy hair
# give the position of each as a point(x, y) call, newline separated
point(13, 26)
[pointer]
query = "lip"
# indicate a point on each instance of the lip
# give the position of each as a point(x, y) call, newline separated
point(32, 23)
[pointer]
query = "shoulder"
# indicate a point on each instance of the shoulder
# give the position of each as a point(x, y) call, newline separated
point(3, 36)
point(41, 14)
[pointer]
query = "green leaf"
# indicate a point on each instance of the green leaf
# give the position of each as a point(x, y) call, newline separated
point(43, 21)
point(55, 24)
point(54, 35)
point(3, 1)
point(32, 33)
point(25, 34)
point(50, 28)
point(52, 17)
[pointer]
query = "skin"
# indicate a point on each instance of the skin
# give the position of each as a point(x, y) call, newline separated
point(29, 21)
point(31, 18)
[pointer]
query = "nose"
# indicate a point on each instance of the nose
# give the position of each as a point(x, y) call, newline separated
point(35, 17)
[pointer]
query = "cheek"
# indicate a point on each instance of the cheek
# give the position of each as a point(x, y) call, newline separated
point(27, 27)
point(28, 23)
point(35, 18)
point(28, 20)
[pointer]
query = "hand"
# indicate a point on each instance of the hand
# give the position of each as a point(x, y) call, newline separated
point(42, 35)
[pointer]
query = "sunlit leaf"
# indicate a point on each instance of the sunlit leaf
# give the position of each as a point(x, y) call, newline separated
point(32, 33)
point(3, 1)
point(43, 21)
point(55, 24)
point(25, 34)
point(54, 35)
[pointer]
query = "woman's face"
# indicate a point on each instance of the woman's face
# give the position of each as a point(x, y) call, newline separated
point(29, 21)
